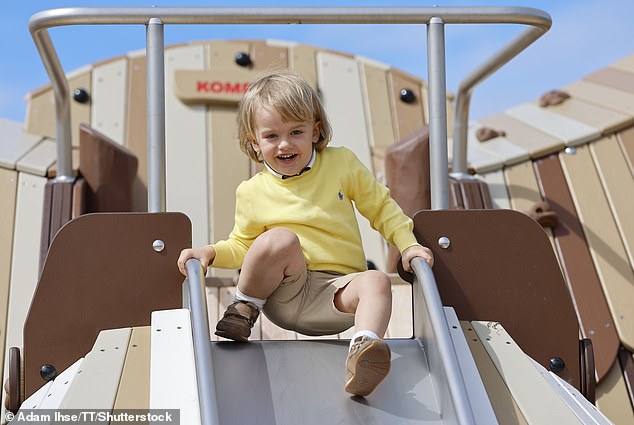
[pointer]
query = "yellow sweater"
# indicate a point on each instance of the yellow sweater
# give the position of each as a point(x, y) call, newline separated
point(317, 206)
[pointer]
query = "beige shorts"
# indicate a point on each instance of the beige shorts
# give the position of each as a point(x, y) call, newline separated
point(304, 303)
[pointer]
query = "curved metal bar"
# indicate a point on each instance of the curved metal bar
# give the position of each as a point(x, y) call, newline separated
point(202, 349)
point(430, 325)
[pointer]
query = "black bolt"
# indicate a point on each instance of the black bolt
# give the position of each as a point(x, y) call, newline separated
point(48, 372)
point(243, 59)
point(557, 364)
point(408, 96)
point(81, 95)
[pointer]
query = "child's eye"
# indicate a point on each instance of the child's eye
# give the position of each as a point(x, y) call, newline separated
point(296, 132)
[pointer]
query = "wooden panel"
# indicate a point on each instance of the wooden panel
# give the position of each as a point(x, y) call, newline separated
point(607, 97)
point(95, 386)
point(401, 325)
point(612, 77)
point(39, 159)
point(510, 152)
point(625, 64)
point(377, 101)
point(173, 380)
point(8, 191)
point(134, 385)
point(592, 309)
point(536, 399)
point(612, 398)
point(186, 167)
point(606, 120)
point(60, 386)
point(572, 132)
point(136, 126)
point(14, 143)
point(109, 93)
point(303, 61)
point(340, 85)
point(497, 188)
point(267, 57)
point(408, 117)
point(506, 409)
point(626, 141)
point(26, 244)
point(534, 141)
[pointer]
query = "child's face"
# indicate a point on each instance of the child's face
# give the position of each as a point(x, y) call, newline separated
point(286, 146)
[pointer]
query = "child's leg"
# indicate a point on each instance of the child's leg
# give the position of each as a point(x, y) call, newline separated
point(369, 296)
point(273, 256)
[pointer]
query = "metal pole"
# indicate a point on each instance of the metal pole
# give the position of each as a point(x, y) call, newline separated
point(439, 164)
point(155, 54)
point(202, 349)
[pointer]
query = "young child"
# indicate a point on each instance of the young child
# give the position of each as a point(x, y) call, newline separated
point(296, 238)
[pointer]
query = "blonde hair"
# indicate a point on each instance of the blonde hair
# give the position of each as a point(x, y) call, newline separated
point(288, 94)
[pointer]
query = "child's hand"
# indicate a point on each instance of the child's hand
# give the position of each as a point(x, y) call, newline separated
point(416, 251)
point(204, 254)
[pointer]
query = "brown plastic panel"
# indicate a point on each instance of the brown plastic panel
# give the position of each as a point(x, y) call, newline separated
point(500, 267)
point(109, 170)
point(588, 380)
point(58, 200)
point(612, 77)
point(627, 364)
point(101, 272)
point(13, 386)
point(592, 308)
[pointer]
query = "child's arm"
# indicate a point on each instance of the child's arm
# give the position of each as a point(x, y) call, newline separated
point(416, 251)
point(205, 254)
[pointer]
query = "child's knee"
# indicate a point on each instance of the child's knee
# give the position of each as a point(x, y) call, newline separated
point(378, 282)
point(278, 241)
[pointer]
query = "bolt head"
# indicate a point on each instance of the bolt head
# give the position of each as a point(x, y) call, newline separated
point(557, 364)
point(48, 372)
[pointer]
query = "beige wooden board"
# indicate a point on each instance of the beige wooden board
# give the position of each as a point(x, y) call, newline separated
point(602, 236)
point(504, 405)
point(625, 64)
point(478, 160)
point(497, 188)
point(26, 242)
point(186, 165)
point(571, 131)
point(340, 84)
point(537, 143)
point(173, 381)
point(268, 57)
point(612, 397)
point(601, 95)
point(606, 120)
point(95, 386)
point(537, 400)
point(61, 384)
point(136, 125)
point(618, 185)
point(14, 143)
point(109, 93)
point(377, 103)
point(8, 191)
point(134, 385)
point(500, 146)
point(303, 61)
point(40, 113)
point(408, 117)
point(38, 160)
point(400, 325)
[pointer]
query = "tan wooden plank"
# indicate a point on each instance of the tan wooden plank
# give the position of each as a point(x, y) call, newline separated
point(109, 93)
point(270, 331)
point(625, 64)
point(612, 398)
point(401, 325)
point(407, 117)
point(302, 60)
point(8, 193)
point(613, 77)
point(377, 101)
point(38, 160)
point(14, 143)
point(134, 385)
point(606, 120)
point(534, 141)
point(95, 386)
point(535, 398)
point(497, 188)
point(602, 236)
point(504, 405)
point(607, 97)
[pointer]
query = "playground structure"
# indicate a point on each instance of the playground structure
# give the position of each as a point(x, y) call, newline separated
point(569, 164)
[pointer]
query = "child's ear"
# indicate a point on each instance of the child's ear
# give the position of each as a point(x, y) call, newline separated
point(316, 132)
point(255, 146)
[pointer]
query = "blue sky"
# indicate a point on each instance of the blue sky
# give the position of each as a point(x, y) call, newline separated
point(586, 35)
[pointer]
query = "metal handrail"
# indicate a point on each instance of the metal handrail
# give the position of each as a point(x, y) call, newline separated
point(202, 350)
point(538, 20)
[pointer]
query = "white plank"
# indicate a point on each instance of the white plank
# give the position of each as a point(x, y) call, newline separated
point(14, 143)
point(61, 384)
point(500, 146)
point(38, 160)
point(96, 382)
point(572, 132)
point(340, 85)
point(108, 98)
point(173, 382)
point(577, 403)
point(497, 188)
point(480, 403)
point(186, 146)
point(36, 399)
point(536, 399)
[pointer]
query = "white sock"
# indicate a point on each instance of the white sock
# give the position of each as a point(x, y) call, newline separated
point(239, 296)
point(361, 333)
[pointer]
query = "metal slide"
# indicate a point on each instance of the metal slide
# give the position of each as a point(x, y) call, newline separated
point(290, 382)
